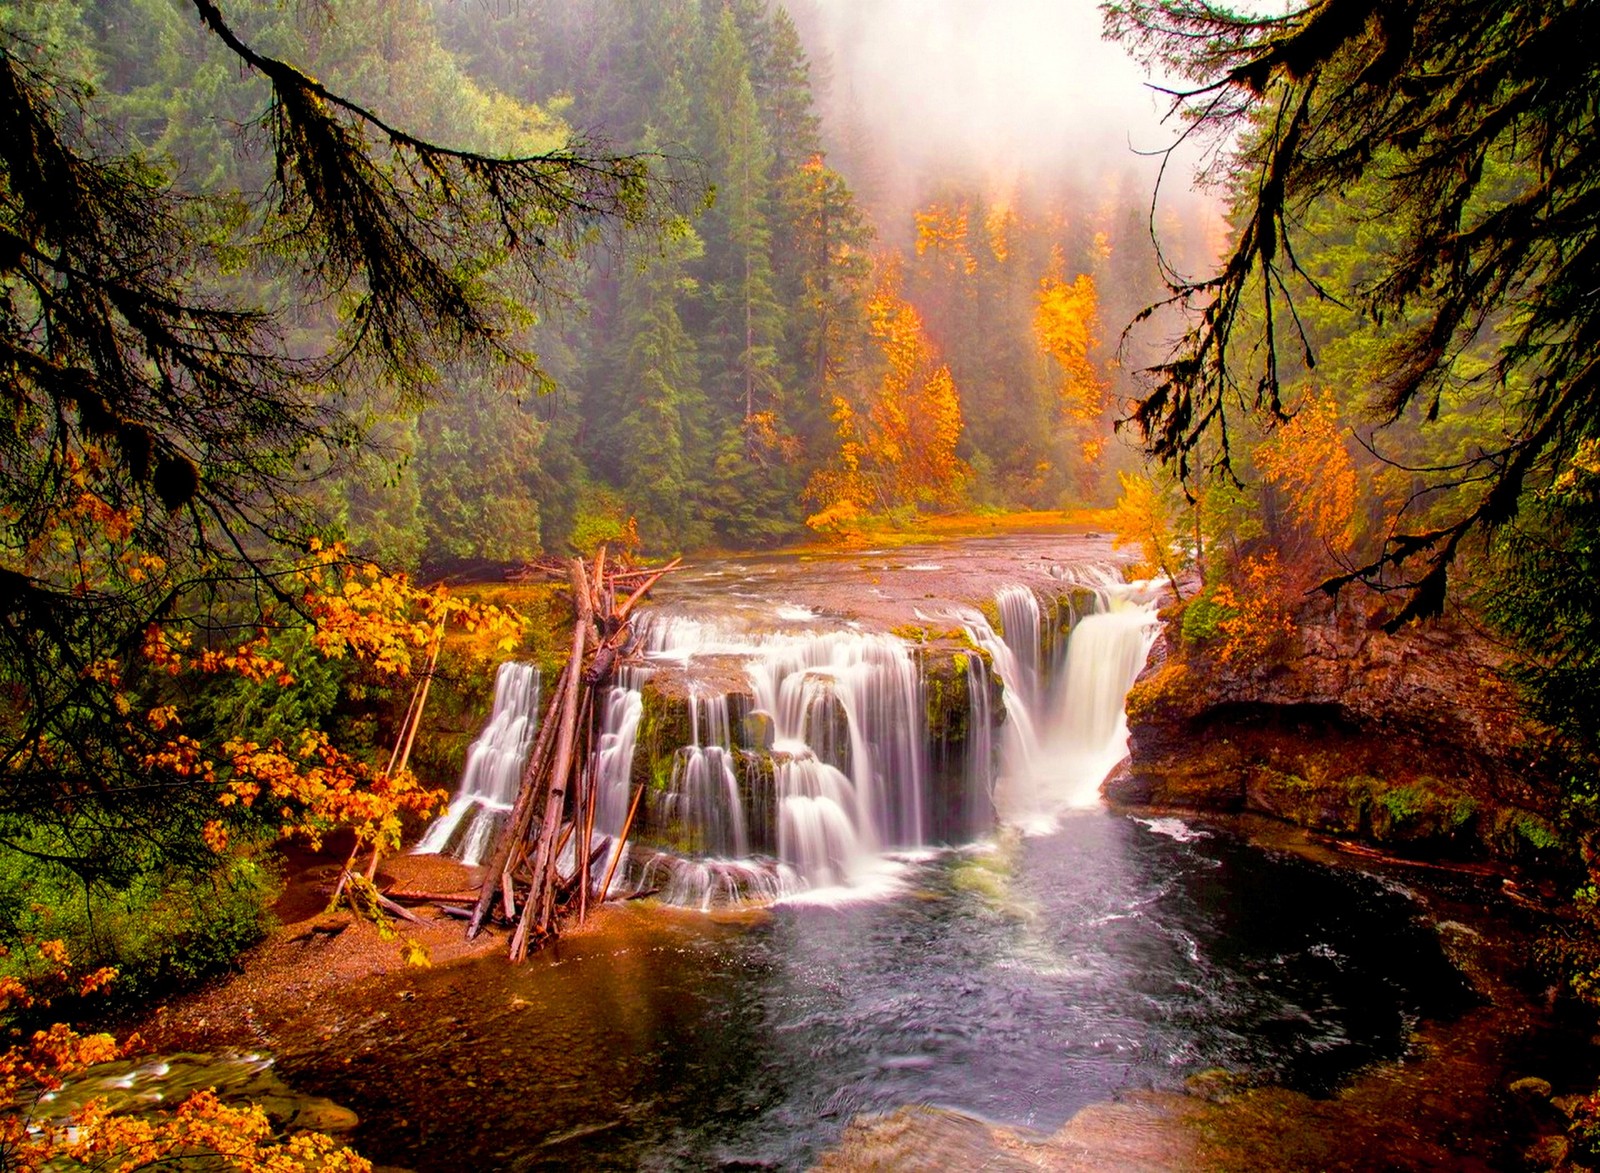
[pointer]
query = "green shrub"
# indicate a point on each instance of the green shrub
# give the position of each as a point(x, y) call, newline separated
point(1535, 832)
point(1203, 616)
point(1404, 803)
point(164, 928)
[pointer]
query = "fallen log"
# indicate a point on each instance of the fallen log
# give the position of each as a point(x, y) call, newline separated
point(536, 912)
point(558, 798)
point(408, 895)
point(516, 828)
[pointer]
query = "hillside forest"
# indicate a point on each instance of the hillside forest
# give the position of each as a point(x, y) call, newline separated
point(319, 317)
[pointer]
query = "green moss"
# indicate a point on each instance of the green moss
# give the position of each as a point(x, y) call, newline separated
point(1404, 803)
point(991, 612)
point(1535, 832)
point(1461, 811)
point(972, 877)
point(1203, 616)
point(663, 728)
point(947, 702)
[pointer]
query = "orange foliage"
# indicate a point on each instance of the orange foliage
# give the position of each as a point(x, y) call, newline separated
point(202, 1129)
point(999, 225)
point(901, 449)
point(1066, 325)
point(942, 230)
point(1257, 619)
point(1306, 459)
point(916, 411)
point(1143, 517)
point(355, 611)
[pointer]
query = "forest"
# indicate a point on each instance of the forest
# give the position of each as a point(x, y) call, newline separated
point(333, 330)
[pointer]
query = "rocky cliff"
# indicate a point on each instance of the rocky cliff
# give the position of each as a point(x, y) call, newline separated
point(1411, 740)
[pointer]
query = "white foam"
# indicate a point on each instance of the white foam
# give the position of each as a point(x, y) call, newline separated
point(1174, 829)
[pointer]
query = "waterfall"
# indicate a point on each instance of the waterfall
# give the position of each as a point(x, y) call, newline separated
point(705, 788)
point(842, 774)
point(817, 769)
point(1063, 737)
point(493, 769)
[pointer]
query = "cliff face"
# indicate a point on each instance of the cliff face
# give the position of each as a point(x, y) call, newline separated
point(1412, 740)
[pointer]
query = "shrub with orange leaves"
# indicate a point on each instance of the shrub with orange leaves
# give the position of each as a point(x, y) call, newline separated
point(1250, 618)
point(202, 1132)
point(353, 612)
point(1306, 460)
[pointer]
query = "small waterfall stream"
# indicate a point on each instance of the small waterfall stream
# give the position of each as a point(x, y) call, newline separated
point(493, 769)
point(817, 773)
point(1065, 730)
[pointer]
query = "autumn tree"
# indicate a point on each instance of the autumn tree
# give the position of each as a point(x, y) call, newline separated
point(1067, 325)
point(1147, 517)
point(1471, 125)
point(161, 425)
point(896, 444)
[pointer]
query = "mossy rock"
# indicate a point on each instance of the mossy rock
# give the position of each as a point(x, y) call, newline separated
point(1072, 605)
point(1421, 814)
point(1333, 805)
point(1166, 690)
point(664, 727)
point(1523, 835)
point(947, 698)
point(759, 730)
point(991, 612)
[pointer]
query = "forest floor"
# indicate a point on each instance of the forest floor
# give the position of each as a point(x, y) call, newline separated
point(314, 953)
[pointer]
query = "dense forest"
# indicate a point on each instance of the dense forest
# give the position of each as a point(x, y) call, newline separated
point(774, 355)
point(306, 305)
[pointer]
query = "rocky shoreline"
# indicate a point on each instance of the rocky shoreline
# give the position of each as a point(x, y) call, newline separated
point(1411, 742)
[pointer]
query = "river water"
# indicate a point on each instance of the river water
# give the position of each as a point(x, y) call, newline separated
point(1018, 977)
point(1017, 981)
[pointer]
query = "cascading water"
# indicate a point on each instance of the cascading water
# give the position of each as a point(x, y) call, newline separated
point(842, 775)
point(493, 769)
point(821, 765)
point(1062, 737)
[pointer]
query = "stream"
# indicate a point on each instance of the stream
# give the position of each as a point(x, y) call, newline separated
point(1018, 983)
point(1014, 968)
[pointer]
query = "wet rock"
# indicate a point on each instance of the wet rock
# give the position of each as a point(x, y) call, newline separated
point(1550, 1152)
point(1217, 1085)
point(920, 1139)
point(760, 731)
point(1410, 740)
point(1323, 804)
point(1531, 1087)
point(131, 1086)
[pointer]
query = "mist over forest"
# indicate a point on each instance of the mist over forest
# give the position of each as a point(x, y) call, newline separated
point(907, 241)
point(877, 184)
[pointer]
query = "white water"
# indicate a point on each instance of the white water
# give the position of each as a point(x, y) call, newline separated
point(493, 769)
point(824, 774)
point(1063, 736)
point(848, 762)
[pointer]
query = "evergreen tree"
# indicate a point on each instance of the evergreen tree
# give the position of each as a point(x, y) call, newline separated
point(1431, 104)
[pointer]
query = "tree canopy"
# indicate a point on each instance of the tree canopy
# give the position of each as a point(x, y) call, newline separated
point(1468, 127)
point(176, 365)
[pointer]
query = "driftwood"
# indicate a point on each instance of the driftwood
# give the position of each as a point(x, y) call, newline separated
point(558, 795)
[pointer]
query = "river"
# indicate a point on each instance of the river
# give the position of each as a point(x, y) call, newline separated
point(1051, 958)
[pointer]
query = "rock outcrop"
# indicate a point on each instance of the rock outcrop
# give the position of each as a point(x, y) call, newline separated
point(1412, 740)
